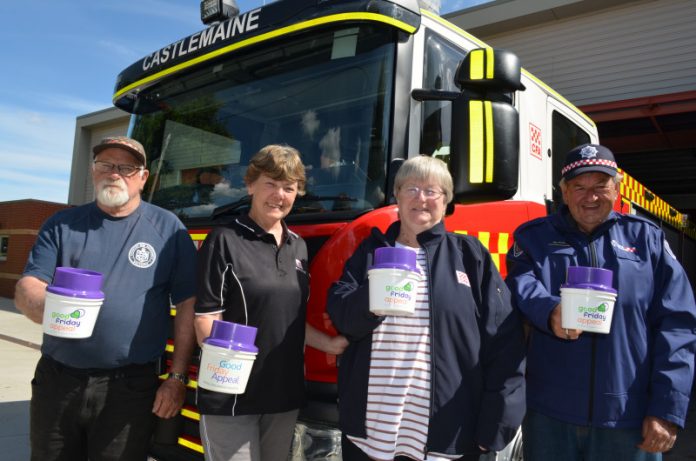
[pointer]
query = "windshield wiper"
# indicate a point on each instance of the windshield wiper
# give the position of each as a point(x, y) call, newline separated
point(319, 198)
point(229, 208)
point(232, 208)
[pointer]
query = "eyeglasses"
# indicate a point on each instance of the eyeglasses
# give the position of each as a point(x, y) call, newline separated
point(124, 170)
point(415, 191)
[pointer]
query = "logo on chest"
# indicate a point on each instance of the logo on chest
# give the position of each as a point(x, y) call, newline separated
point(627, 249)
point(463, 278)
point(142, 255)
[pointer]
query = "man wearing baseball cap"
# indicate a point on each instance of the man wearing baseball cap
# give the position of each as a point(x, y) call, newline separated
point(592, 396)
point(96, 398)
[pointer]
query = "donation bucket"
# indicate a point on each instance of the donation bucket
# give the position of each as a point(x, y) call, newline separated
point(72, 303)
point(587, 299)
point(228, 355)
point(393, 281)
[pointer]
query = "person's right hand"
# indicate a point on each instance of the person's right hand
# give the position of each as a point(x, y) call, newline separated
point(560, 332)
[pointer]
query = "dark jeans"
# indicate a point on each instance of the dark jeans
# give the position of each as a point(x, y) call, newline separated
point(547, 439)
point(100, 415)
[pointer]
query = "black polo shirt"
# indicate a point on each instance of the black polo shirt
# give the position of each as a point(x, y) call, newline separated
point(242, 262)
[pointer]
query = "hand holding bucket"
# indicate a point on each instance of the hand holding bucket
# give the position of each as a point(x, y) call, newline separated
point(393, 281)
point(227, 357)
point(587, 299)
point(72, 303)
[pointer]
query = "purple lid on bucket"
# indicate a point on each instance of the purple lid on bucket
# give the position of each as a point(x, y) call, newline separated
point(594, 278)
point(77, 283)
point(395, 258)
point(232, 336)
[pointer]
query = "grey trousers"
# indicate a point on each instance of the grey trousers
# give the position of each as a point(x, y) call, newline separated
point(248, 437)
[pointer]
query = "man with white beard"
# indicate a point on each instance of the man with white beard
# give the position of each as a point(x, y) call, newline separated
point(96, 398)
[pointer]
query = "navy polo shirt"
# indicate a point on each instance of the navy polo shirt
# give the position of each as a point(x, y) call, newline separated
point(246, 276)
point(148, 262)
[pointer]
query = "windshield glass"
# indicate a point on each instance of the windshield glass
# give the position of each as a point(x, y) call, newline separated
point(326, 93)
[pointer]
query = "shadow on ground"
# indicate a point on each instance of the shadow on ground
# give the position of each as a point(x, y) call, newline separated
point(14, 431)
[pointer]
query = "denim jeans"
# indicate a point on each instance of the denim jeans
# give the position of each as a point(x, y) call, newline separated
point(103, 415)
point(548, 439)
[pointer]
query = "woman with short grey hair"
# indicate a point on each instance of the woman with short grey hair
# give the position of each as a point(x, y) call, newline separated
point(448, 381)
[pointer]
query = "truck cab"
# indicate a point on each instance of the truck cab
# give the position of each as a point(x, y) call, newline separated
point(356, 87)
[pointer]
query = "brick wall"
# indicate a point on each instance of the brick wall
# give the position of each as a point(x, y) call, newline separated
point(20, 220)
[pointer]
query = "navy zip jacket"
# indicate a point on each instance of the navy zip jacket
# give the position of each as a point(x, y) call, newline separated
point(477, 345)
point(644, 366)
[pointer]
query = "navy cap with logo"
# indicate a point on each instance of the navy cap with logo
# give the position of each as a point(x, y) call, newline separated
point(122, 142)
point(588, 158)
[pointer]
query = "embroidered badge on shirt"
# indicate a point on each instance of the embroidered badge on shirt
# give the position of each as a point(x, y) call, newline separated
point(616, 244)
point(142, 255)
point(463, 279)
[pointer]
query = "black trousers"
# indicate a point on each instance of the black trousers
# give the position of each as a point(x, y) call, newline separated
point(100, 415)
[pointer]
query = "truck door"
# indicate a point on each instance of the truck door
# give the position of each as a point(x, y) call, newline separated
point(564, 124)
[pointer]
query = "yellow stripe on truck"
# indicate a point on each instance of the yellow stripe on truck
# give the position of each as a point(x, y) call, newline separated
point(490, 63)
point(489, 141)
point(636, 192)
point(481, 145)
point(482, 64)
point(341, 17)
point(189, 444)
point(498, 253)
point(194, 415)
point(476, 127)
point(476, 65)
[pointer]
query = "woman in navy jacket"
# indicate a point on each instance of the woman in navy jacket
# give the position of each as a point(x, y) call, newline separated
point(447, 382)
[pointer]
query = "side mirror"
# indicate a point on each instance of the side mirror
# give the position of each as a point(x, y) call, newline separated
point(489, 69)
point(484, 157)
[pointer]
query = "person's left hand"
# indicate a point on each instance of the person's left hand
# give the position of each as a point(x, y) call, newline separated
point(658, 435)
point(169, 398)
point(337, 345)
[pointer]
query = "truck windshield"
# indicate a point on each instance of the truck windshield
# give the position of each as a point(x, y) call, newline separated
point(326, 93)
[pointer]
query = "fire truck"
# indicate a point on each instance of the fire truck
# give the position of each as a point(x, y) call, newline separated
point(357, 87)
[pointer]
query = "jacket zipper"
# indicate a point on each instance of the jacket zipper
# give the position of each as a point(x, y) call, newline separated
point(432, 346)
point(593, 354)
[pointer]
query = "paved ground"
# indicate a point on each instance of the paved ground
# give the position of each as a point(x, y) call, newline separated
point(19, 342)
point(19, 351)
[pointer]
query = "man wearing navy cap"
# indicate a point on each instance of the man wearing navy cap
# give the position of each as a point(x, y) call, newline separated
point(590, 396)
point(96, 398)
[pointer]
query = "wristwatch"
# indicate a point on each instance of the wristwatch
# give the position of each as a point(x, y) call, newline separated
point(182, 378)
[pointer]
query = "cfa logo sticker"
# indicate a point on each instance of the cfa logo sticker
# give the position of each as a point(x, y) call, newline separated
point(142, 255)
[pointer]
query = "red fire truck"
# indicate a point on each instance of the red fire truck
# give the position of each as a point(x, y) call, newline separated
point(357, 87)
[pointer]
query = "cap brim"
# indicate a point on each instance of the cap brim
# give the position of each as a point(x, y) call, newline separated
point(97, 149)
point(589, 169)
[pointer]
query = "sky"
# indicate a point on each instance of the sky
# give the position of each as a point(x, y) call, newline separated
point(60, 59)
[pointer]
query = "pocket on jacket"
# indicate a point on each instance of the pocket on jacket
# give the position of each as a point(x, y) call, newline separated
point(559, 259)
point(621, 407)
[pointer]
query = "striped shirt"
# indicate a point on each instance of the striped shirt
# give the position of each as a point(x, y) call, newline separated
point(398, 393)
